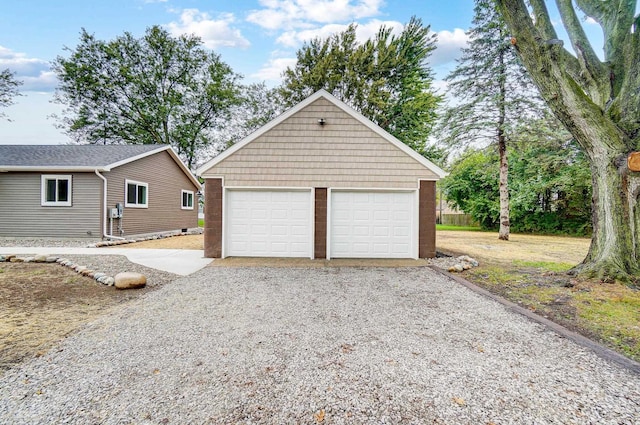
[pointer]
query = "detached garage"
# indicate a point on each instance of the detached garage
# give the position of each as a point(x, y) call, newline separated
point(320, 181)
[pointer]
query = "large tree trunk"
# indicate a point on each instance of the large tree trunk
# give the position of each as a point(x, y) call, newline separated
point(590, 99)
point(613, 254)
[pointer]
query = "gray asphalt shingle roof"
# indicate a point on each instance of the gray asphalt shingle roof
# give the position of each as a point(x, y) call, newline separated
point(69, 155)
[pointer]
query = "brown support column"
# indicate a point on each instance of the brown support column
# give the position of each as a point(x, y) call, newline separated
point(213, 218)
point(320, 237)
point(427, 217)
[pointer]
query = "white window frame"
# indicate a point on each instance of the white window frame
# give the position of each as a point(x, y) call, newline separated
point(126, 194)
point(193, 199)
point(43, 190)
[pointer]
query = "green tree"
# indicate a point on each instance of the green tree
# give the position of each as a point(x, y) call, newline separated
point(472, 186)
point(257, 105)
point(493, 94)
point(599, 104)
point(550, 187)
point(550, 181)
point(155, 89)
point(387, 79)
point(8, 89)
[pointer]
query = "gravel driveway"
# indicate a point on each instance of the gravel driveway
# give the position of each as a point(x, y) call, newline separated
point(326, 345)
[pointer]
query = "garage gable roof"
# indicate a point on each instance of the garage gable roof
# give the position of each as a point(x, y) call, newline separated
point(341, 105)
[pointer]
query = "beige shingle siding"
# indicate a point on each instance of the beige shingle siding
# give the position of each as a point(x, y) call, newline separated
point(21, 214)
point(166, 182)
point(300, 153)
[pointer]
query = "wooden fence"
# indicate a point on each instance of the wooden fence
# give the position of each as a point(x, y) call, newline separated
point(456, 220)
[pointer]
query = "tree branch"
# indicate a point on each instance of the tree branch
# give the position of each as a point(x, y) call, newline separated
point(596, 73)
point(548, 66)
point(542, 19)
point(594, 9)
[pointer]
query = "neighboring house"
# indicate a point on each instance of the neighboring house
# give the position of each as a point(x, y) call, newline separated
point(320, 181)
point(73, 191)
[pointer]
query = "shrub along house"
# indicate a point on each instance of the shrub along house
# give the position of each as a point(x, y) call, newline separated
point(320, 181)
point(75, 191)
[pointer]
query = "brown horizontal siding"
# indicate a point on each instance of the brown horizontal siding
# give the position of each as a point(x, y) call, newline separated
point(300, 153)
point(164, 212)
point(21, 214)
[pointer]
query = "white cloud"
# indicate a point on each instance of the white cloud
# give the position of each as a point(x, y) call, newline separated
point(291, 14)
point(591, 21)
point(45, 82)
point(213, 32)
point(363, 32)
point(449, 46)
point(35, 74)
point(272, 70)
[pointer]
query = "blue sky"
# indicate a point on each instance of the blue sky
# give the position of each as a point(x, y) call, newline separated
point(257, 38)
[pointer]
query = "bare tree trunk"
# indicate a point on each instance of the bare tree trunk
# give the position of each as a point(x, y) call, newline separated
point(504, 188)
point(503, 233)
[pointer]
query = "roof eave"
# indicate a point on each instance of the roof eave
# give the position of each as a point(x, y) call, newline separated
point(51, 169)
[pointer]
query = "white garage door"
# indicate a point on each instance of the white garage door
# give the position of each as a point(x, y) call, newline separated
point(372, 225)
point(268, 223)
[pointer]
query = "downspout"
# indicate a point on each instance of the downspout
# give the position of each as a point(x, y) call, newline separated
point(104, 208)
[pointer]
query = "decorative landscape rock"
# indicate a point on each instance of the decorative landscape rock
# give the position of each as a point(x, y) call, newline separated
point(462, 263)
point(130, 280)
point(85, 271)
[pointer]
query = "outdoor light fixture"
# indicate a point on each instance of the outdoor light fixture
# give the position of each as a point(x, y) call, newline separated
point(321, 121)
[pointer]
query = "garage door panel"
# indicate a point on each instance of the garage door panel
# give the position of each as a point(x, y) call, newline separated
point(279, 231)
point(300, 214)
point(299, 231)
point(264, 223)
point(401, 231)
point(279, 214)
point(380, 231)
point(372, 224)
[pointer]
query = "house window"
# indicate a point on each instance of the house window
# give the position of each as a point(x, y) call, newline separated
point(136, 194)
point(55, 190)
point(187, 200)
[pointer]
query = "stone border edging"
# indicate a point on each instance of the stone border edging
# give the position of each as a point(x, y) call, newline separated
point(598, 349)
point(99, 277)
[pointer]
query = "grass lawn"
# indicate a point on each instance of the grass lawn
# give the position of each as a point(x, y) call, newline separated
point(458, 228)
point(532, 271)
